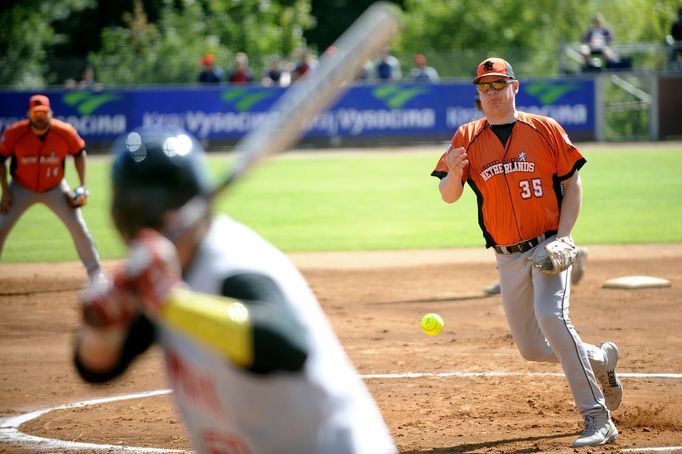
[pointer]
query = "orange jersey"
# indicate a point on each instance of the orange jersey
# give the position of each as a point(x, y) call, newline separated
point(38, 163)
point(518, 187)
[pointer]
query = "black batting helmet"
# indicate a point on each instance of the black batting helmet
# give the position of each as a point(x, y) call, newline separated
point(155, 170)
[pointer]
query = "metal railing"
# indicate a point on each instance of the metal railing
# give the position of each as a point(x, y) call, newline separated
point(636, 57)
point(626, 107)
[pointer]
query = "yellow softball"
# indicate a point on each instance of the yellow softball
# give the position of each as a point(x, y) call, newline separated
point(432, 324)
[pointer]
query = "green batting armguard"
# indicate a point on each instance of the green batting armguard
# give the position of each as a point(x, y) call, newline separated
point(222, 324)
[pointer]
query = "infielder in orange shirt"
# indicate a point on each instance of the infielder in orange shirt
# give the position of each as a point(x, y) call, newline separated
point(523, 169)
point(37, 148)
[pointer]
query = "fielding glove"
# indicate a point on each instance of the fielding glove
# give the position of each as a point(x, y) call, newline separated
point(556, 256)
point(78, 197)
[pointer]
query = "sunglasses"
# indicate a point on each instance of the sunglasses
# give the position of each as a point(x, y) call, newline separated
point(496, 85)
point(39, 114)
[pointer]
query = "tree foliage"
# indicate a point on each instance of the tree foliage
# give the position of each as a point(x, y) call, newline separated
point(333, 17)
point(139, 52)
point(161, 41)
point(168, 51)
point(457, 34)
point(27, 36)
point(136, 47)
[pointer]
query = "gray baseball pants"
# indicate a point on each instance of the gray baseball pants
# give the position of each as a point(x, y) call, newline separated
point(536, 306)
point(56, 201)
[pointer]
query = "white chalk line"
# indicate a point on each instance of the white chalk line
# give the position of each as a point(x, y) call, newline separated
point(661, 449)
point(506, 374)
point(9, 427)
point(10, 433)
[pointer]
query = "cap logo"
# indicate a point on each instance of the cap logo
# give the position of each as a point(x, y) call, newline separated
point(135, 147)
point(177, 145)
point(488, 65)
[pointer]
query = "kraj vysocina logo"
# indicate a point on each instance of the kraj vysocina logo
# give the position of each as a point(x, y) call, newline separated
point(395, 97)
point(87, 102)
point(549, 92)
point(243, 99)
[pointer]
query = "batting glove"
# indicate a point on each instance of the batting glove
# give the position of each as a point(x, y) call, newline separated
point(109, 303)
point(152, 269)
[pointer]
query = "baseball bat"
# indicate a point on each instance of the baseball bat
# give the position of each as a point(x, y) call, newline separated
point(299, 104)
point(317, 90)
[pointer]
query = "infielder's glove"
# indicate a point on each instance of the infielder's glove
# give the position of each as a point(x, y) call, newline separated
point(556, 256)
point(78, 197)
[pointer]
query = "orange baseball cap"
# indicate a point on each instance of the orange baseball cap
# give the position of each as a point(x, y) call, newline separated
point(39, 102)
point(207, 59)
point(494, 67)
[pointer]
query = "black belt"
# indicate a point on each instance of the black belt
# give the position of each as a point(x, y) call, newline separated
point(524, 246)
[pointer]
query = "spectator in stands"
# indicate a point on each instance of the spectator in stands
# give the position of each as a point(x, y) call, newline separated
point(305, 62)
point(85, 82)
point(275, 75)
point(597, 43)
point(210, 73)
point(675, 38)
point(87, 79)
point(240, 74)
point(365, 72)
point(387, 67)
point(421, 72)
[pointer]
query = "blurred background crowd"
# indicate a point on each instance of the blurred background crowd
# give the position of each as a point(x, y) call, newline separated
point(90, 43)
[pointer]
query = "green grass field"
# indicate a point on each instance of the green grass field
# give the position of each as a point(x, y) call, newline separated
point(365, 201)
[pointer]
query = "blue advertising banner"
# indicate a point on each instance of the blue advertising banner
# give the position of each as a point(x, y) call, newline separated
point(400, 110)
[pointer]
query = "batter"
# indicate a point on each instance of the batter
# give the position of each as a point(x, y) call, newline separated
point(524, 171)
point(253, 362)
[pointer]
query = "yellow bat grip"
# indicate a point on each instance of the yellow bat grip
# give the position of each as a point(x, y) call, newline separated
point(222, 324)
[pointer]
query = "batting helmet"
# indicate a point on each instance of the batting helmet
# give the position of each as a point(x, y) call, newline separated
point(155, 170)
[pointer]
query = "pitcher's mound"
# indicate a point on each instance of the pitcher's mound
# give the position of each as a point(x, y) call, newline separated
point(636, 282)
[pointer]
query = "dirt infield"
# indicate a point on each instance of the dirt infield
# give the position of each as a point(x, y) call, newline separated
point(375, 302)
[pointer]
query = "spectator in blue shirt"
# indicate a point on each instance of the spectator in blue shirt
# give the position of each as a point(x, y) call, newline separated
point(597, 42)
point(421, 72)
point(210, 74)
point(387, 67)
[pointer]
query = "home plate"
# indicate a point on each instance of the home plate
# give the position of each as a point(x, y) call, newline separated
point(636, 282)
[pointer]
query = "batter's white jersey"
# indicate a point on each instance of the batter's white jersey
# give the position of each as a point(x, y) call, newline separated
point(325, 408)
